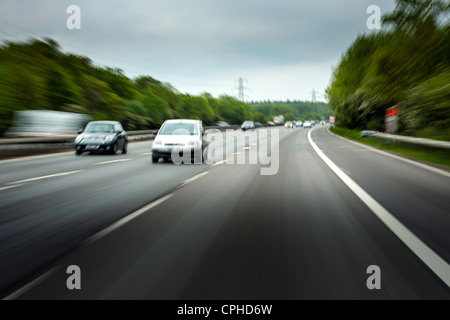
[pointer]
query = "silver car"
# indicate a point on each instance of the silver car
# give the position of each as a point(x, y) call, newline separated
point(289, 125)
point(179, 138)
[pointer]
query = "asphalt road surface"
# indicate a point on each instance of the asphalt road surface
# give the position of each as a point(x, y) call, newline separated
point(160, 231)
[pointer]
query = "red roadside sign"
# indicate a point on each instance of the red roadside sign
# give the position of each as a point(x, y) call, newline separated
point(391, 121)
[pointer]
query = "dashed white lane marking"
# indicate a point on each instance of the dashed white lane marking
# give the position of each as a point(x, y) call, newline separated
point(127, 219)
point(387, 154)
point(10, 187)
point(113, 161)
point(219, 163)
point(30, 285)
point(438, 265)
point(46, 177)
point(193, 179)
point(246, 148)
point(146, 154)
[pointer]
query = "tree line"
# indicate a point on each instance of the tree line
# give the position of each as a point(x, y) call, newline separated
point(291, 110)
point(406, 64)
point(37, 75)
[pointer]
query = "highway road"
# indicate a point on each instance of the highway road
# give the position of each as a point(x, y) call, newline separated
point(160, 231)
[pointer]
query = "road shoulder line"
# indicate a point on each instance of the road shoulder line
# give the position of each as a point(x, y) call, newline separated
point(418, 164)
point(438, 265)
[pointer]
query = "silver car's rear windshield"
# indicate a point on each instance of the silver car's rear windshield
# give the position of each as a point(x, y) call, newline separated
point(181, 129)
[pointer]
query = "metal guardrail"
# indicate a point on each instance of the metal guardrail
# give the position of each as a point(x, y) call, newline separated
point(17, 147)
point(411, 140)
point(64, 139)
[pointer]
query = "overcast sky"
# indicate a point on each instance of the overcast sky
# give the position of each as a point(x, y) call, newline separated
point(283, 48)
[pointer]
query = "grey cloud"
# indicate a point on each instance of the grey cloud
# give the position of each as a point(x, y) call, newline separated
point(189, 39)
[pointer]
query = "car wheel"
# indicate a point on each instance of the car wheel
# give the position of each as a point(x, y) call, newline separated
point(125, 148)
point(78, 152)
point(204, 155)
point(114, 149)
point(155, 159)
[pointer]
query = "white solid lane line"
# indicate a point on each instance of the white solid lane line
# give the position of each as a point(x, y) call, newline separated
point(127, 219)
point(45, 177)
point(10, 187)
point(387, 154)
point(438, 265)
point(113, 161)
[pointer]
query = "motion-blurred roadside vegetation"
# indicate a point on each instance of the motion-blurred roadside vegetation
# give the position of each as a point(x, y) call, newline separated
point(406, 64)
point(37, 75)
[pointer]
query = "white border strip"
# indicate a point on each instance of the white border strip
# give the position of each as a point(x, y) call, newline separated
point(438, 265)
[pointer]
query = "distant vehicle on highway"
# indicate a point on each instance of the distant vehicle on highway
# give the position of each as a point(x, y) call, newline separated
point(258, 125)
point(181, 135)
point(307, 124)
point(105, 136)
point(299, 124)
point(223, 124)
point(278, 119)
point(38, 123)
point(271, 123)
point(313, 123)
point(322, 123)
point(248, 125)
point(289, 125)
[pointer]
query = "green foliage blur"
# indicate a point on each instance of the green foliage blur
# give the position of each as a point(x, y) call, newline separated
point(37, 75)
point(407, 64)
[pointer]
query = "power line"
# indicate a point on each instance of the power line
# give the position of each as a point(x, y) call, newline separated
point(241, 89)
point(315, 95)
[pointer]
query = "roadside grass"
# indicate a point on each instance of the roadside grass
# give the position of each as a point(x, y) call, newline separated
point(422, 153)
